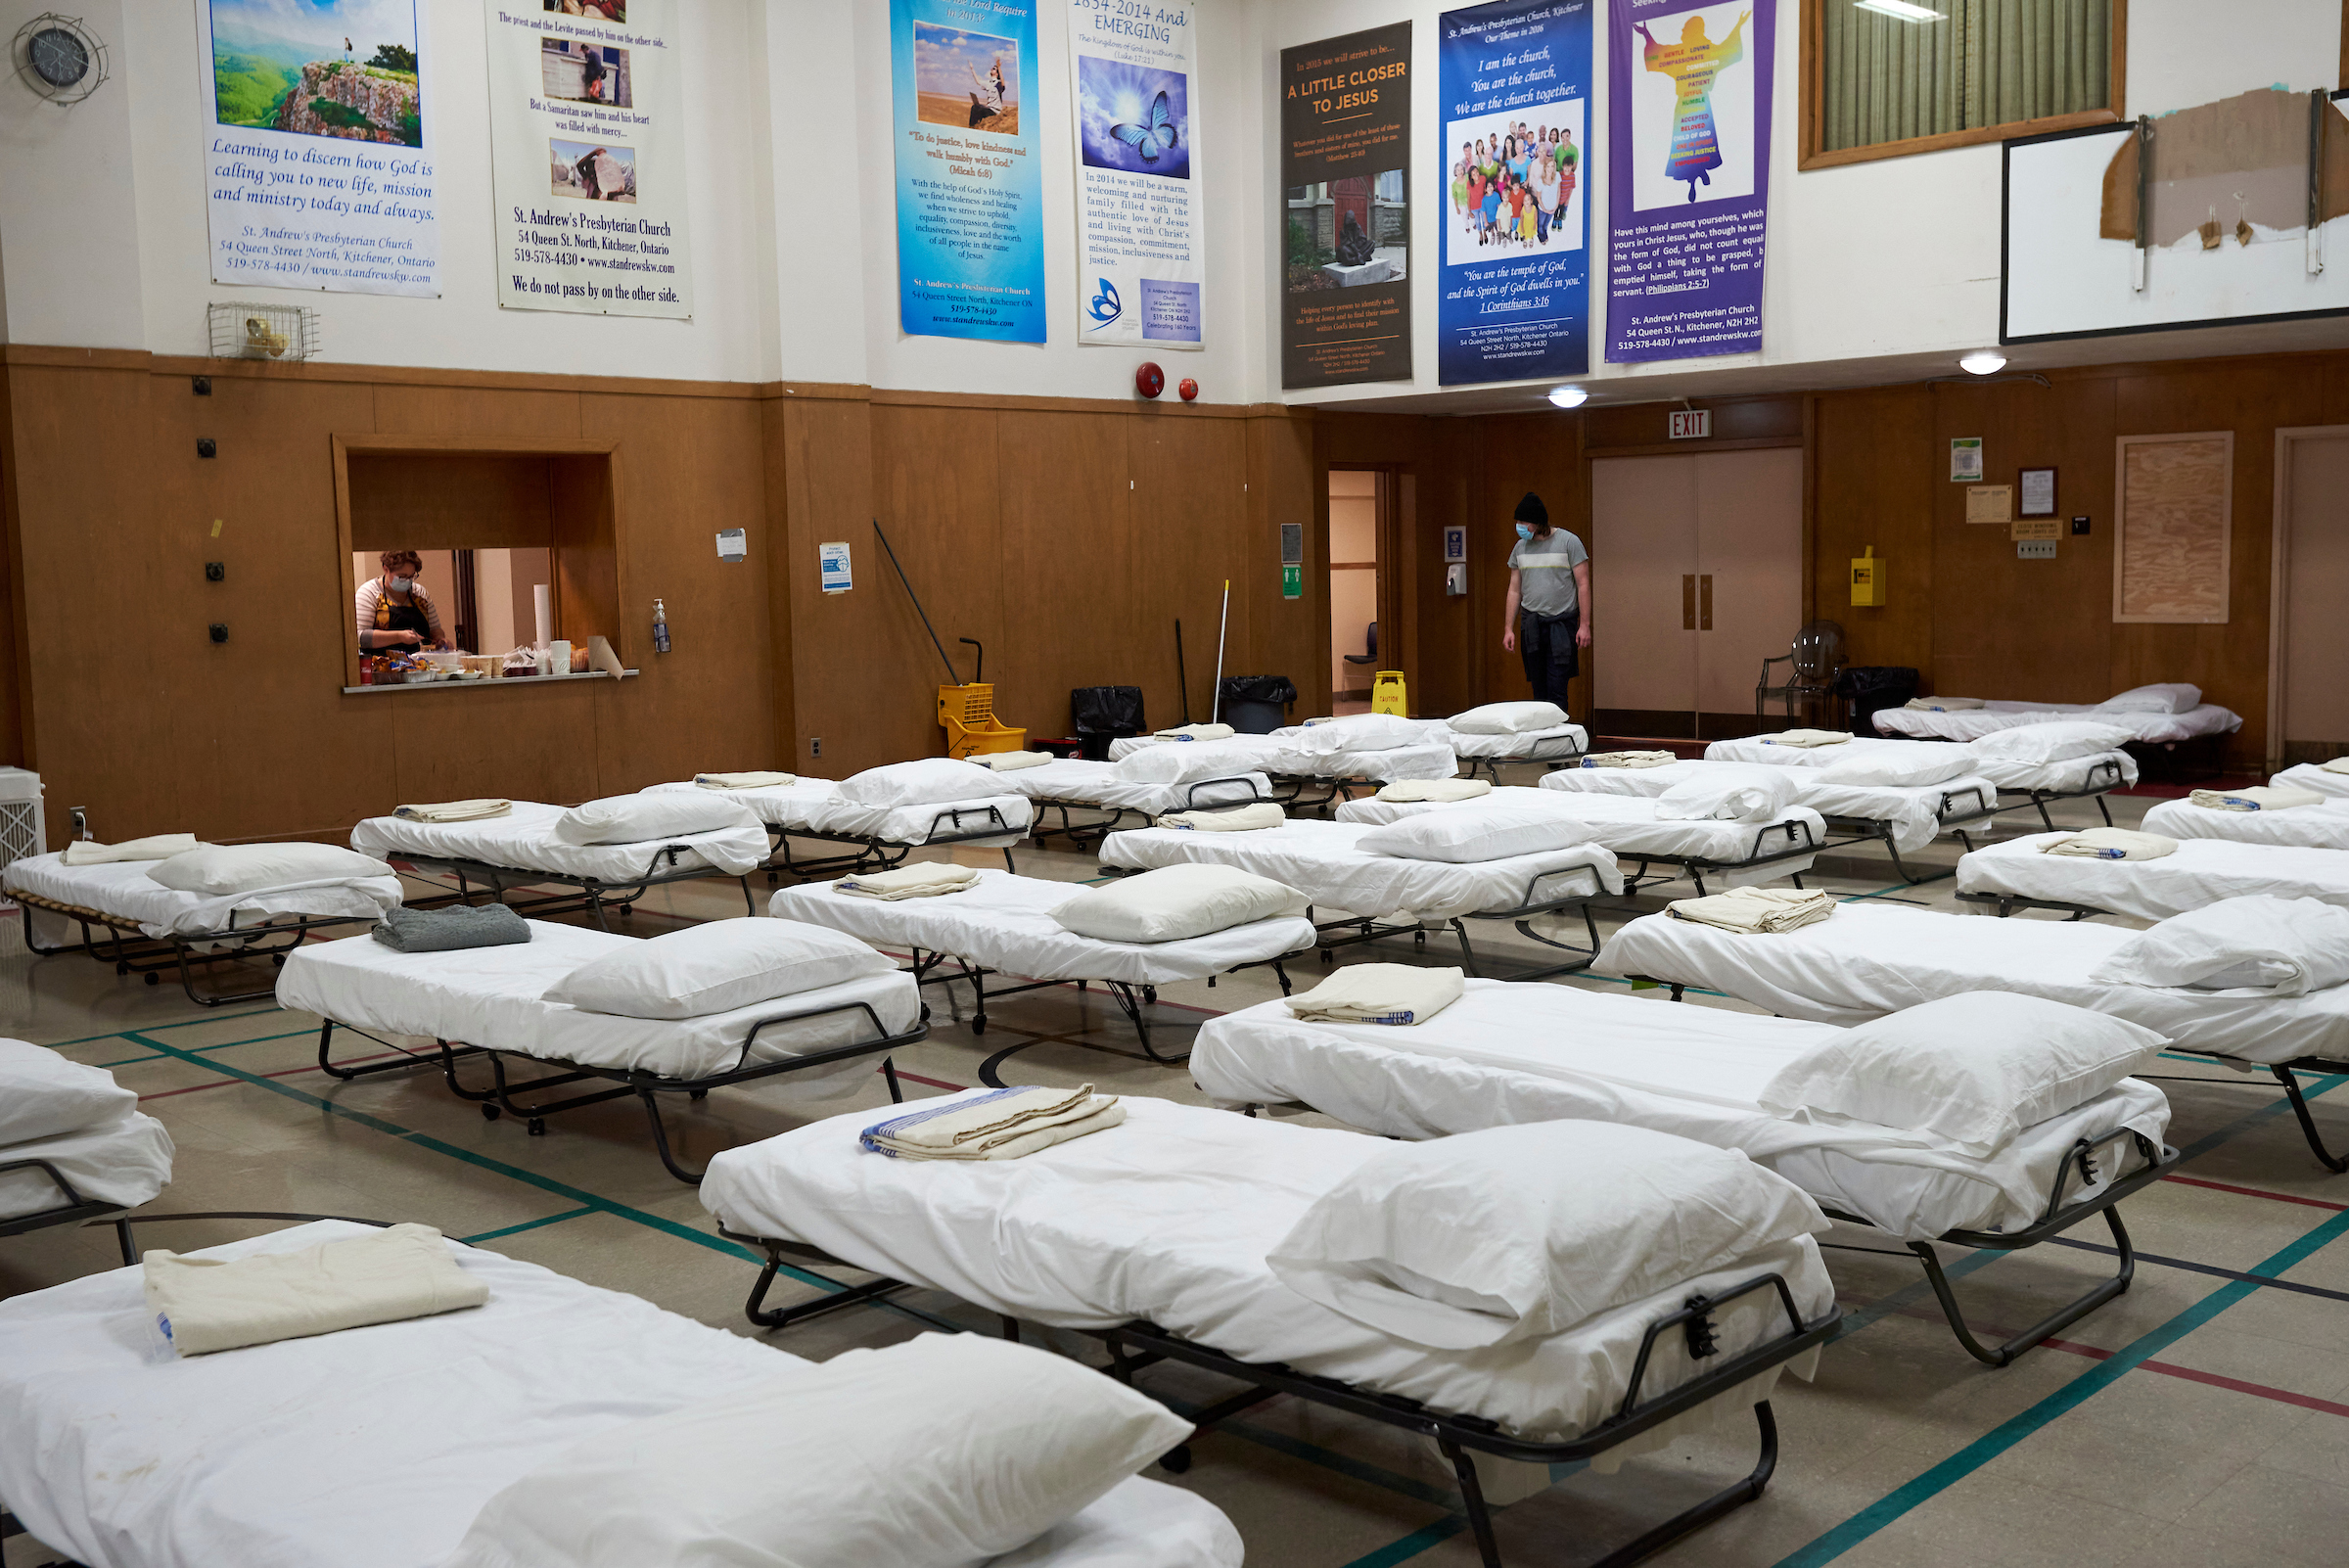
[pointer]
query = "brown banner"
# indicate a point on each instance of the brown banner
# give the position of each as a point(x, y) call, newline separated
point(1345, 212)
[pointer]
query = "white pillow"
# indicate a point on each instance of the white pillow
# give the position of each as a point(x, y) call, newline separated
point(44, 1095)
point(1357, 732)
point(1488, 830)
point(928, 781)
point(715, 968)
point(2287, 946)
point(2172, 697)
point(2059, 741)
point(1969, 1071)
point(655, 815)
point(1176, 901)
point(1509, 718)
point(1187, 761)
point(1897, 765)
point(940, 1452)
point(222, 870)
point(1729, 792)
point(1515, 1232)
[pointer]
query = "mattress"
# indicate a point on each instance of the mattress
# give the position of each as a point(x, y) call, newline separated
point(1507, 1053)
point(125, 1160)
point(1168, 1218)
point(261, 1457)
point(1255, 747)
point(2313, 776)
point(125, 890)
point(2324, 826)
point(1533, 745)
point(1912, 813)
point(1004, 923)
point(1419, 759)
point(1078, 782)
point(1320, 860)
point(2202, 871)
point(524, 841)
point(813, 806)
point(1758, 749)
point(2066, 777)
point(1871, 960)
point(1972, 724)
point(492, 997)
point(1628, 826)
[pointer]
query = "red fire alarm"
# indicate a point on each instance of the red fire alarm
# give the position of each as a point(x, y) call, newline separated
point(1189, 390)
point(1149, 381)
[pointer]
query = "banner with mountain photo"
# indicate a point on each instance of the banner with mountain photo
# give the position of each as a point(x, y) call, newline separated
point(1141, 257)
point(1343, 208)
point(586, 150)
point(318, 170)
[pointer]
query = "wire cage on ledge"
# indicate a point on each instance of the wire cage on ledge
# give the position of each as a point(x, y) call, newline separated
point(243, 330)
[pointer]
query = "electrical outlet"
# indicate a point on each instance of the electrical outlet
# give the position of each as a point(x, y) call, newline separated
point(815, 746)
point(214, 570)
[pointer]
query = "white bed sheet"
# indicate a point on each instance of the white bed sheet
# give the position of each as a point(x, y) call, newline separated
point(1912, 813)
point(374, 1447)
point(2324, 826)
point(524, 841)
point(1972, 724)
point(1507, 1053)
point(1432, 758)
point(2058, 778)
point(1319, 859)
point(2202, 871)
point(1628, 826)
point(1004, 923)
point(2313, 776)
point(813, 805)
point(127, 1161)
point(1535, 745)
point(1256, 748)
point(123, 889)
point(493, 997)
point(1754, 749)
point(1168, 1218)
point(1078, 782)
point(1868, 960)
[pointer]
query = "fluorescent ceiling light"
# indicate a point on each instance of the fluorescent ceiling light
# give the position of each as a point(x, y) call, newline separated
point(1983, 362)
point(1568, 397)
point(1900, 10)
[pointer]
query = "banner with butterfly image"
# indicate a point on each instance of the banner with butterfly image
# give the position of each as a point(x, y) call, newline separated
point(1141, 256)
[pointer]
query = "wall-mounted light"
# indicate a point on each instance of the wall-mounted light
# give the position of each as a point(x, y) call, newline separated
point(1983, 362)
point(1569, 396)
point(1900, 10)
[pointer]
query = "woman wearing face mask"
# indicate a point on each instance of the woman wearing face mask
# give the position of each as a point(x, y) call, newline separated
point(394, 613)
point(1550, 582)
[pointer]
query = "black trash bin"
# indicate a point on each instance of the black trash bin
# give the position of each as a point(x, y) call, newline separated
point(1103, 714)
point(1872, 688)
point(1257, 705)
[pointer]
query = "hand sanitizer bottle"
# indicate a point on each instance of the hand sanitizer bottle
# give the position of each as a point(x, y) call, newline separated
point(659, 627)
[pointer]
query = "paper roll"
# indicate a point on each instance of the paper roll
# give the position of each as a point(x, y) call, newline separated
point(601, 657)
point(542, 599)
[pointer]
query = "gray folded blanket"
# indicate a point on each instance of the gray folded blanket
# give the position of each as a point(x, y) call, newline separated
point(461, 925)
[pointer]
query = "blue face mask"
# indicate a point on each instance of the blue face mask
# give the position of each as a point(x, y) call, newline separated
point(1525, 530)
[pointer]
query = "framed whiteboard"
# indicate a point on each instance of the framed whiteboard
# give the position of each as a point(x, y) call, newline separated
point(2173, 500)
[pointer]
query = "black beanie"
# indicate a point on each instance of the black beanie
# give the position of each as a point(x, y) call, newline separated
point(1531, 510)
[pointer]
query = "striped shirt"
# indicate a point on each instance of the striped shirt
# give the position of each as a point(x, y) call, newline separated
point(374, 604)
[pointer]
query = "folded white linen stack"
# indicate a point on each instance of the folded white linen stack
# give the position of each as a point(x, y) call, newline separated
point(1010, 761)
point(745, 781)
point(1435, 788)
point(161, 846)
point(1379, 994)
point(1628, 758)
point(2339, 765)
point(1002, 1125)
point(2256, 798)
point(202, 1305)
point(2113, 844)
point(1943, 705)
point(1754, 911)
point(1197, 732)
point(1228, 819)
point(925, 881)
point(455, 811)
point(1805, 738)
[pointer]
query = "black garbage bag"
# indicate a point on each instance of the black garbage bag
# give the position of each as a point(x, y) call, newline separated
point(1872, 688)
point(1102, 714)
point(1256, 704)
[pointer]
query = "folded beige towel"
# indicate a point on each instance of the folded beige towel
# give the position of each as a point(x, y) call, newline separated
point(1228, 819)
point(2113, 844)
point(1011, 762)
point(1435, 788)
point(745, 781)
point(1943, 705)
point(1754, 911)
point(1198, 732)
point(1379, 994)
point(1628, 758)
point(1002, 1125)
point(455, 811)
point(924, 881)
point(161, 846)
point(1805, 737)
point(2257, 798)
point(211, 1304)
point(2339, 765)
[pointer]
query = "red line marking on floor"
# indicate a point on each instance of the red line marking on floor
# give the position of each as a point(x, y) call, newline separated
point(933, 1083)
point(227, 1083)
point(2255, 1192)
point(2282, 1396)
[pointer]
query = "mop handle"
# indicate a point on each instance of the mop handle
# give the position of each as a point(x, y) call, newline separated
point(952, 679)
point(1216, 714)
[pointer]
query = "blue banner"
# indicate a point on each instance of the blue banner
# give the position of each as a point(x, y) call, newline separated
point(970, 188)
point(1513, 300)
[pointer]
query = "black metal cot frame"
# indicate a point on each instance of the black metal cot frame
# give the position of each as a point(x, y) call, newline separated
point(873, 853)
point(499, 1099)
point(1369, 928)
point(1696, 866)
point(1556, 749)
point(1951, 817)
point(1082, 834)
point(133, 952)
point(594, 895)
point(72, 1208)
point(2103, 776)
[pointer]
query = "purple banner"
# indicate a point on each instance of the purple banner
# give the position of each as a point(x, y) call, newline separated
point(1687, 176)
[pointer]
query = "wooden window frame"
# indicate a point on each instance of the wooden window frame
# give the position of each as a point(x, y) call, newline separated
point(1816, 155)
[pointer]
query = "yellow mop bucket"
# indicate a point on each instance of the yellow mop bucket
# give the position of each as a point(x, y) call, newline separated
point(1386, 694)
point(968, 716)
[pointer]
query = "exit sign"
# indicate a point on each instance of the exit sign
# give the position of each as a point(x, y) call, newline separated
point(1692, 424)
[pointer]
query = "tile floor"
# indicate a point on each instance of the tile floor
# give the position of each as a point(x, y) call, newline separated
point(2203, 1418)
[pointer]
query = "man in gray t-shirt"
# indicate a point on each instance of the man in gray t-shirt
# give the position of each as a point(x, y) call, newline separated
point(1550, 580)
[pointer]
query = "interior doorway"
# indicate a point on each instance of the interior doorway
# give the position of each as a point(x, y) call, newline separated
point(2308, 702)
point(1355, 507)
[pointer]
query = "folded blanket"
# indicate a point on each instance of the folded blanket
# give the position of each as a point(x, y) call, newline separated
point(487, 925)
point(1379, 994)
point(924, 881)
point(1944, 705)
point(1628, 758)
point(1198, 732)
point(2113, 844)
point(1435, 788)
point(1010, 761)
point(1243, 820)
point(2256, 798)
point(455, 811)
point(1805, 737)
point(209, 1304)
point(745, 781)
point(2339, 765)
point(1002, 1125)
point(161, 846)
point(1754, 911)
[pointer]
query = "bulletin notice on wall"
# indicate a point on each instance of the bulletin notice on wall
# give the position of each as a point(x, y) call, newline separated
point(587, 157)
point(1344, 210)
point(1140, 247)
point(970, 180)
point(318, 166)
point(1688, 177)
point(1514, 301)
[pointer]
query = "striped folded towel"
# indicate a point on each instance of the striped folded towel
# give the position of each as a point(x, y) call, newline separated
point(1197, 732)
point(1628, 758)
point(2257, 798)
point(455, 811)
point(2112, 843)
point(1435, 788)
point(1380, 993)
point(745, 781)
point(1002, 1125)
point(1228, 819)
point(161, 846)
point(1754, 911)
point(924, 881)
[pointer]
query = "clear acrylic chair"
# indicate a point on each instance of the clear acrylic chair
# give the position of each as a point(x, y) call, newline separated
point(1814, 659)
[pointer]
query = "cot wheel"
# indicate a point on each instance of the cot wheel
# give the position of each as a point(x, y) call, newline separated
point(152, 977)
point(491, 1113)
point(1325, 955)
point(979, 1025)
point(1176, 1461)
point(697, 1094)
point(536, 1126)
point(1150, 994)
point(277, 961)
point(925, 1012)
point(1419, 939)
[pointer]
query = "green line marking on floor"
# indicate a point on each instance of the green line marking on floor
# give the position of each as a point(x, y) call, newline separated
point(527, 1224)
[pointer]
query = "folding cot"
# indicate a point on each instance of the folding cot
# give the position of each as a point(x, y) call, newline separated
point(2177, 718)
point(2323, 826)
point(1486, 754)
point(1310, 777)
point(2320, 778)
point(2020, 874)
point(1113, 790)
point(74, 1148)
point(876, 837)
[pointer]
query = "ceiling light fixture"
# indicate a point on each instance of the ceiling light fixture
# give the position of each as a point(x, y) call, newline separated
point(1569, 396)
point(1983, 362)
point(1900, 10)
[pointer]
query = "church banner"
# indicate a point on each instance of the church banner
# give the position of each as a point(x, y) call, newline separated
point(1513, 300)
point(970, 185)
point(1141, 256)
point(1687, 176)
point(1344, 210)
point(588, 155)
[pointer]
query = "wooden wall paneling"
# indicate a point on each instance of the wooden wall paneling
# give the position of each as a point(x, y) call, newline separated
point(1190, 524)
point(1288, 634)
point(16, 663)
point(458, 501)
point(1508, 455)
point(526, 741)
point(471, 410)
point(1070, 549)
point(844, 647)
point(1873, 484)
